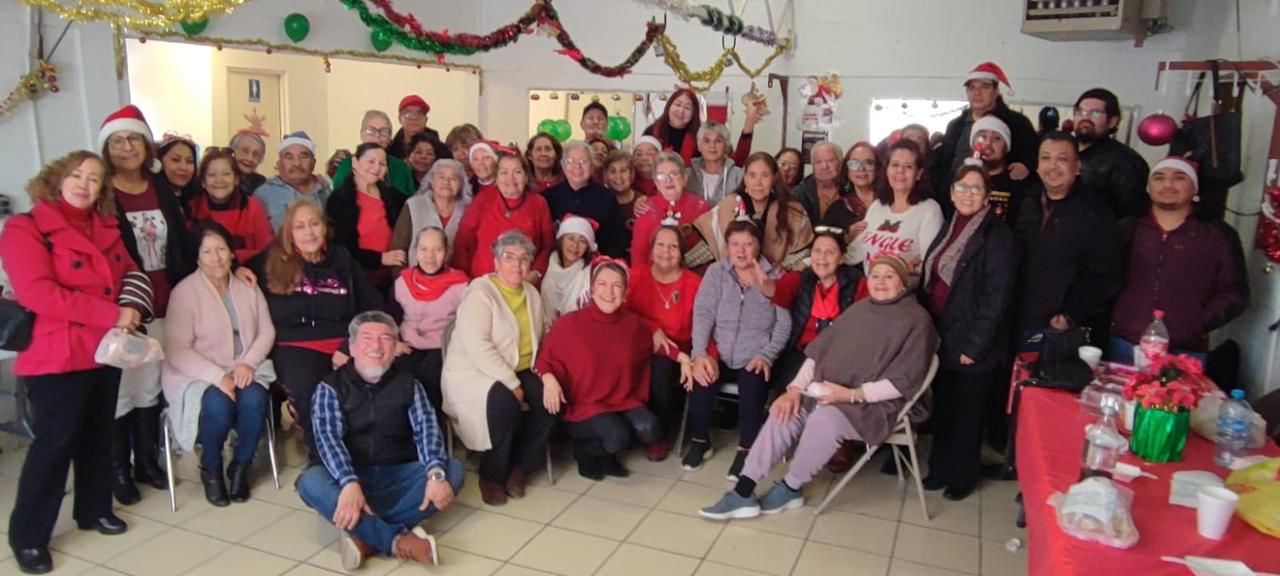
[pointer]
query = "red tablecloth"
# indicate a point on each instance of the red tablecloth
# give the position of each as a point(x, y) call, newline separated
point(1049, 444)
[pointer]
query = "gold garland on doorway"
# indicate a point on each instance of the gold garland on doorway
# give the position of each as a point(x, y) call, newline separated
point(139, 15)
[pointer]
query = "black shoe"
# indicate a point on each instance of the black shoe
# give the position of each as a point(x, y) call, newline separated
point(122, 485)
point(611, 467)
point(890, 467)
point(933, 483)
point(699, 452)
point(109, 525)
point(34, 560)
point(238, 481)
point(1002, 472)
point(956, 494)
point(735, 469)
point(590, 468)
point(215, 488)
point(146, 447)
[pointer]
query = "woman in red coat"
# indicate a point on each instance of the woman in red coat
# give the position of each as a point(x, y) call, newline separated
point(511, 207)
point(68, 265)
point(223, 202)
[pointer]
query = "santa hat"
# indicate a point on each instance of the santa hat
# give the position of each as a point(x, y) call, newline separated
point(584, 227)
point(129, 119)
point(993, 124)
point(650, 140)
point(299, 138)
point(414, 100)
point(990, 72)
point(1180, 164)
point(481, 145)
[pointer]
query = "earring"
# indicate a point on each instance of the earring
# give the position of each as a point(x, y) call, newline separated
point(1195, 198)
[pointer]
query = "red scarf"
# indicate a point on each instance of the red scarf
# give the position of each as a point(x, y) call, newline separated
point(428, 287)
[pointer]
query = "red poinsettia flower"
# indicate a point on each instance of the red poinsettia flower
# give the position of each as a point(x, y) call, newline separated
point(1171, 382)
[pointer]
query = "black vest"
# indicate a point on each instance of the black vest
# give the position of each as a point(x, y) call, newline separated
point(847, 276)
point(378, 432)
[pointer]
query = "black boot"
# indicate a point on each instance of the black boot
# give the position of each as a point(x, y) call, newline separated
point(238, 481)
point(146, 443)
point(215, 487)
point(121, 471)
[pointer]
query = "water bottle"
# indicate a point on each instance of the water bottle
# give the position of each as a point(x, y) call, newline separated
point(1154, 343)
point(1234, 417)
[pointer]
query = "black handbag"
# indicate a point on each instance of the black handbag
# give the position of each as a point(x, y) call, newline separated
point(16, 323)
point(1059, 366)
point(1213, 141)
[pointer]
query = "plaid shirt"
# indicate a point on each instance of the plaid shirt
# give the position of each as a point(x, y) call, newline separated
point(330, 427)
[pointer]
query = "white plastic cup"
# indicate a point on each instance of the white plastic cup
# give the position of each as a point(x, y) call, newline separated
point(1215, 507)
point(1092, 355)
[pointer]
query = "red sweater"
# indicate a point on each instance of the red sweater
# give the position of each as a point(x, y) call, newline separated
point(247, 222)
point(687, 209)
point(601, 361)
point(487, 217)
point(649, 298)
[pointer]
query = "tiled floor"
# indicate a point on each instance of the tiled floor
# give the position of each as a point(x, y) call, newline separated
point(643, 525)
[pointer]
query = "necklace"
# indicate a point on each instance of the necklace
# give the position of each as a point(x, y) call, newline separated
point(667, 302)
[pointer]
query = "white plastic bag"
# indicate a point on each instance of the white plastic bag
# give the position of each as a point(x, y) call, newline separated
point(1096, 510)
point(126, 349)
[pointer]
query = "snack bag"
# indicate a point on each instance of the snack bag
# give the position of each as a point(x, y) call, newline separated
point(126, 349)
point(1096, 510)
point(1259, 490)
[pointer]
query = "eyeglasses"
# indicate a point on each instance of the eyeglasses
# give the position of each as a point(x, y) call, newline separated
point(412, 115)
point(1094, 114)
point(861, 165)
point(664, 177)
point(576, 162)
point(371, 131)
point(787, 165)
point(514, 258)
point(129, 141)
point(974, 190)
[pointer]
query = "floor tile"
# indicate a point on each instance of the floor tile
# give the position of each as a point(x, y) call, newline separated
point(236, 522)
point(962, 517)
point(190, 500)
point(564, 552)
point(8, 495)
point(687, 498)
point(540, 503)
point(309, 570)
point(857, 531)
point(676, 533)
point(298, 535)
point(999, 561)
point(904, 568)
point(101, 571)
point(825, 560)
point(490, 535)
point(755, 550)
point(11, 463)
point(452, 563)
point(513, 570)
point(598, 517)
point(1001, 524)
point(637, 489)
point(937, 548)
point(636, 461)
point(714, 569)
point(97, 548)
point(871, 493)
point(441, 522)
point(173, 552)
point(999, 494)
point(631, 560)
point(243, 561)
point(790, 523)
point(567, 478)
point(265, 489)
point(63, 565)
point(329, 559)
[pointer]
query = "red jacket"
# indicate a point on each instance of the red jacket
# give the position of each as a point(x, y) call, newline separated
point(249, 225)
point(70, 282)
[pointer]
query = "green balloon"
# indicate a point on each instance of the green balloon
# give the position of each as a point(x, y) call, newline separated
point(547, 126)
point(195, 28)
point(381, 40)
point(619, 128)
point(296, 27)
point(563, 131)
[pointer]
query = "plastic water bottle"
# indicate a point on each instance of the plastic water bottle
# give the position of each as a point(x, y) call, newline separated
point(1154, 343)
point(1234, 417)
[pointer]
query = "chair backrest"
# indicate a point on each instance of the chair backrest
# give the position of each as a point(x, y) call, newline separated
point(903, 421)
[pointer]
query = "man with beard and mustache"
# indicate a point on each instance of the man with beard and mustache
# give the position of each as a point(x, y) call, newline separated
point(295, 178)
point(1111, 170)
point(383, 466)
point(1006, 193)
point(1189, 268)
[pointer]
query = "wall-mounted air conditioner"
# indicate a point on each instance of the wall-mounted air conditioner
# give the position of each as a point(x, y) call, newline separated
point(1083, 19)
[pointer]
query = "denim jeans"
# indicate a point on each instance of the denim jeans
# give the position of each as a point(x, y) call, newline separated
point(218, 415)
point(393, 492)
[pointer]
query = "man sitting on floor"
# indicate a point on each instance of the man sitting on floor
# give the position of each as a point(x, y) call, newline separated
point(384, 463)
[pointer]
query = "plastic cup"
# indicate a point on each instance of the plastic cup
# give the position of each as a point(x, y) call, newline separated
point(1216, 506)
point(1092, 355)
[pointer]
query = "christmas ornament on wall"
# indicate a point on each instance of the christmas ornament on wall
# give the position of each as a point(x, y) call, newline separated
point(380, 39)
point(1157, 129)
point(194, 28)
point(1267, 238)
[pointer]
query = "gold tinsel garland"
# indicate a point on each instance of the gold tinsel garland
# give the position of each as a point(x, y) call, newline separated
point(703, 80)
point(31, 87)
point(269, 48)
point(138, 15)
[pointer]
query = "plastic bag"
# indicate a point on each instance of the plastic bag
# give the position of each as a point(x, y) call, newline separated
point(1204, 420)
point(1096, 510)
point(1259, 490)
point(126, 349)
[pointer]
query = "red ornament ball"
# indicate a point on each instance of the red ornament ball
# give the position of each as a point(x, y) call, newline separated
point(1157, 129)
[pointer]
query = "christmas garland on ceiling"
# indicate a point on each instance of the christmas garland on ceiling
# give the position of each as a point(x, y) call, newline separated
point(703, 80)
point(138, 14)
point(407, 31)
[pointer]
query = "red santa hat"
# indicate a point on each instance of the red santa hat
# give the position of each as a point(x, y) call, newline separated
point(585, 227)
point(989, 72)
point(128, 119)
point(1180, 164)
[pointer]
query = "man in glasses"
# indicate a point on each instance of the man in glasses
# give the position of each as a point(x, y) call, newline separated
point(295, 178)
point(413, 121)
point(1109, 169)
point(375, 128)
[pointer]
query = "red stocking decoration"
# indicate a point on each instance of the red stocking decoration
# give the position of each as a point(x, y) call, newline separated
point(1267, 238)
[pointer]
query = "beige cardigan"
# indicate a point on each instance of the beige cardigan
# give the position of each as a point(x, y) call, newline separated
point(199, 348)
point(484, 348)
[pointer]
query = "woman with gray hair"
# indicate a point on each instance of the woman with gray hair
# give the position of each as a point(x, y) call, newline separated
point(487, 371)
point(441, 201)
point(580, 195)
point(248, 148)
point(714, 173)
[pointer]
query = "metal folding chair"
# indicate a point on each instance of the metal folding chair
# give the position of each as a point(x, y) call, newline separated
point(170, 451)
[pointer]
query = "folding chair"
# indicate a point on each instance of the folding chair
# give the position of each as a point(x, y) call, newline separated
point(903, 435)
point(169, 452)
point(728, 391)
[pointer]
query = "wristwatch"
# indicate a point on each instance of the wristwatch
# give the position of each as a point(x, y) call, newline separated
point(435, 475)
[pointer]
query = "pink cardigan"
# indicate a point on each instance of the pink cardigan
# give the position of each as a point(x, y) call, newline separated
point(424, 322)
point(198, 342)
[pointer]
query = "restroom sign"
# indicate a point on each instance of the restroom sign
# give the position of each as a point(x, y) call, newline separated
point(255, 90)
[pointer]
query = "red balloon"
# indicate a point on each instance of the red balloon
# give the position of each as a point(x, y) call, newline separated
point(1157, 129)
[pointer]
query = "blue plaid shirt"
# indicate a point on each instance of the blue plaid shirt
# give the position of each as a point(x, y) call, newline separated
point(329, 429)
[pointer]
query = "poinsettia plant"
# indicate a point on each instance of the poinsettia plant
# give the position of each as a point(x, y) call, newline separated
point(1172, 382)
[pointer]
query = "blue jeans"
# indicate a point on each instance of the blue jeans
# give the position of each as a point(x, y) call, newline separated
point(393, 492)
point(219, 414)
point(1121, 352)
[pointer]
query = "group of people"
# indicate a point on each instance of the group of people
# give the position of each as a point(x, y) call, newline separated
point(421, 284)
